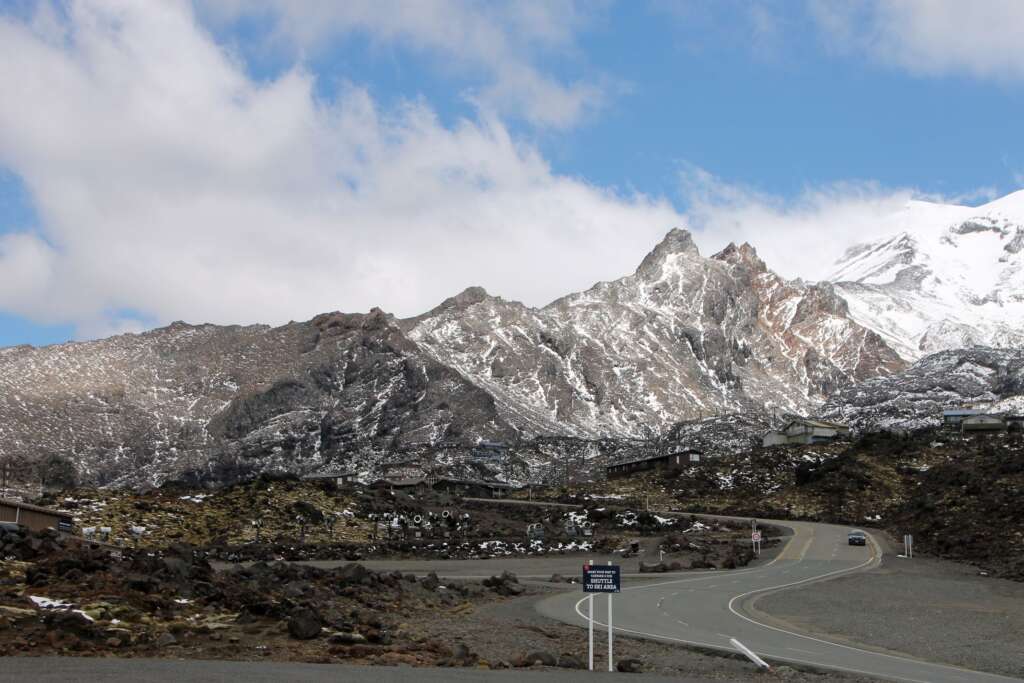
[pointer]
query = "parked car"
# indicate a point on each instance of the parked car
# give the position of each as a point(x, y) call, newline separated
point(857, 537)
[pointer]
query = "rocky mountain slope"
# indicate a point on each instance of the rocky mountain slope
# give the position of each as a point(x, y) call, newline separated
point(946, 277)
point(983, 378)
point(683, 337)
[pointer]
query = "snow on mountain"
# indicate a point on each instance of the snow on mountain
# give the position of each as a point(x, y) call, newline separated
point(983, 378)
point(946, 277)
point(683, 337)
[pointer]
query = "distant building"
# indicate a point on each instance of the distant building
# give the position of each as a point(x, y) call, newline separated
point(396, 484)
point(489, 450)
point(404, 469)
point(953, 418)
point(982, 423)
point(676, 460)
point(805, 431)
point(346, 478)
point(1015, 423)
point(472, 487)
point(34, 517)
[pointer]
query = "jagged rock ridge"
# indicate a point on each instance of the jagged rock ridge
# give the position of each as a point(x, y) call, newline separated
point(683, 337)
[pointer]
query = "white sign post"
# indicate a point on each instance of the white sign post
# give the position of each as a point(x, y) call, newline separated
point(908, 546)
point(590, 618)
point(601, 580)
point(610, 629)
point(755, 540)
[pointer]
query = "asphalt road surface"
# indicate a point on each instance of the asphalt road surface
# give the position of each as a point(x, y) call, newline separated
point(710, 608)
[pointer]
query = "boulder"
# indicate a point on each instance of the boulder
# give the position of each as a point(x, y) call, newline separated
point(539, 657)
point(629, 666)
point(303, 624)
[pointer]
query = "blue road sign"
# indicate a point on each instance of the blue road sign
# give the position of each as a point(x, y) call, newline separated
point(601, 579)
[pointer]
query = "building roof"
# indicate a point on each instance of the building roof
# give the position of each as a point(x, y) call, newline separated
point(33, 508)
point(815, 423)
point(414, 481)
point(685, 451)
point(956, 412)
point(475, 482)
point(994, 418)
point(331, 475)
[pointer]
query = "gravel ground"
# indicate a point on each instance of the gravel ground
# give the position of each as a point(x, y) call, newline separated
point(503, 631)
point(932, 609)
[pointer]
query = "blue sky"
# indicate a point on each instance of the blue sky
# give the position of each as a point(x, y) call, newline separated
point(305, 159)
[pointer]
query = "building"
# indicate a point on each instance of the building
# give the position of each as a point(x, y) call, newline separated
point(489, 450)
point(346, 478)
point(404, 469)
point(676, 460)
point(953, 418)
point(409, 485)
point(34, 517)
point(473, 488)
point(982, 423)
point(805, 431)
point(1015, 423)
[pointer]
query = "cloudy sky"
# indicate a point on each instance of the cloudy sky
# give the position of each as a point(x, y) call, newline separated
point(240, 161)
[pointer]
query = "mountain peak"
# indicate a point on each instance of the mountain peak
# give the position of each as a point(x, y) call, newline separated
point(744, 254)
point(677, 241)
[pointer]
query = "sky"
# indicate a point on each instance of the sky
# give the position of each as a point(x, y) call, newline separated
point(262, 161)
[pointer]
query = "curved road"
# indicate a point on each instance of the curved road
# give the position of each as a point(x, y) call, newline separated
point(709, 608)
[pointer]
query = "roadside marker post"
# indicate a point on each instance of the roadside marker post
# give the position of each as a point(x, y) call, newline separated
point(908, 546)
point(751, 655)
point(755, 540)
point(601, 580)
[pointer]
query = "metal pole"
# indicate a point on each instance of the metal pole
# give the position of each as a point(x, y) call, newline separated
point(610, 666)
point(590, 619)
point(590, 626)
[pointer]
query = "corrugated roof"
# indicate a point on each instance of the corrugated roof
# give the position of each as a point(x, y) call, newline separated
point(331, 475)
point(686, 451)
point(33, 508)
point(816, 423)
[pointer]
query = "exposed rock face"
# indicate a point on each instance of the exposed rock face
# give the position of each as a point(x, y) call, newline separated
point(991, 379)
point(228, 401)
point(683, 337)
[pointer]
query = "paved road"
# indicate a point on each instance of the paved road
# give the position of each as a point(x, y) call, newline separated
point(62, 669)
point(710, 608)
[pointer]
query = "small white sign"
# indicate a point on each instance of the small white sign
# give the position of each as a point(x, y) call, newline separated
point(756, 537)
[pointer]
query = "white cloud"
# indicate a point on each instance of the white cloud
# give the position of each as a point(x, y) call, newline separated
point(500, 42)
point(979, 38)
point(801, 237)
point(170, 185)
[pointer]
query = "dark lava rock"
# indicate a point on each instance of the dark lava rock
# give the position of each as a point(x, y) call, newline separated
point(539, 657)
point(567, 661)
point(303, 624)
point(165, 639)
point(629, 666)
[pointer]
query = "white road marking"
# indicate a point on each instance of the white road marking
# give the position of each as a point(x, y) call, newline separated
point(798, 635)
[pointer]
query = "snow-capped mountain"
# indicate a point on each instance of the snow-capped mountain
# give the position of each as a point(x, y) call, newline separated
point(946, 277)
point(683, 337)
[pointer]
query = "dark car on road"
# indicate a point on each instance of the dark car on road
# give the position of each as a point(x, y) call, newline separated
point(857, 537)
